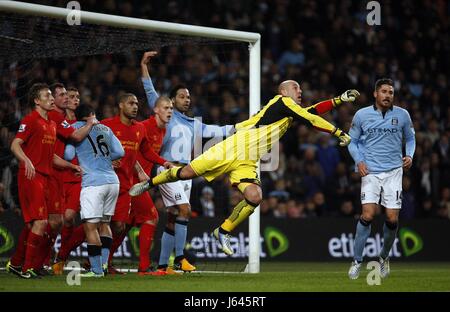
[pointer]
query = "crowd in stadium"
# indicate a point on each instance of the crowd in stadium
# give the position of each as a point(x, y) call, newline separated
point(326, 46)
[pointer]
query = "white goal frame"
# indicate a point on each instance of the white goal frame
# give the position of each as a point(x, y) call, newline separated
point(253, 39)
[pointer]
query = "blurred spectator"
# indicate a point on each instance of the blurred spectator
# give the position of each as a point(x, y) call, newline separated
point(265, 208)
point(444, 205)
point(295, 209)
point(310, 209)
point(281, 210)
point(321, 204)
point(293, 56)
point(207, 202)
point(347, 209)
point(327, 154)
point(408, 210)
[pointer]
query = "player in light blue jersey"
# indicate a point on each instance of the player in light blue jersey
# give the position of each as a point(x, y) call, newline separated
point(377, 134)
point(99, 187)
point(182, 132)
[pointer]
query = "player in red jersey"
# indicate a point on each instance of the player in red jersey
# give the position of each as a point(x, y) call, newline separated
point(34, 147)
point(133, 137)
point(72, 182)
point(70, 237)
point(143, 211)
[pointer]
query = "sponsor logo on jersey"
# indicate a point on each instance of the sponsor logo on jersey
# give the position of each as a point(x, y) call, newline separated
point(394, 121)
point(65, 124)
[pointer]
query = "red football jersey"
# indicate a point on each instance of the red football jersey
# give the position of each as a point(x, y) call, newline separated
point(155, 137)
point(133, 139)
point(63, 131)
point(39, 136)
point(68, 175)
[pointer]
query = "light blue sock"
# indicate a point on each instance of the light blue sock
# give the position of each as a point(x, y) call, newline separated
point(95, 258)
point(180, 236)
point(167, 245)
point(362, 233)
point(389, 233)
point(106, 246)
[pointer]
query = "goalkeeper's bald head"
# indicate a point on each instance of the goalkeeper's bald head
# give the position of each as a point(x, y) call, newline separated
point(292, 89)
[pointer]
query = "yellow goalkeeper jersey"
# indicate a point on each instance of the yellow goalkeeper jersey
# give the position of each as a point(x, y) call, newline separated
point(255, 136)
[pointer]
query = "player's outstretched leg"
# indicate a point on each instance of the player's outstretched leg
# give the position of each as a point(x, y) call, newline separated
point(224, 239)
point(169, 175)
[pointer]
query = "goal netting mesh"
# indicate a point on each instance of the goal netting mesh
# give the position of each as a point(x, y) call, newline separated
point(103, 61)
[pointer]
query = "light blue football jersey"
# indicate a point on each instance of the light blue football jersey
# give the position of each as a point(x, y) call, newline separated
point(182, 131)
point(377, 138)
point(95, 154)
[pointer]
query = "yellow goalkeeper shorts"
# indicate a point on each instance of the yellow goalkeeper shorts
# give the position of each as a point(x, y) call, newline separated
point(211, 165)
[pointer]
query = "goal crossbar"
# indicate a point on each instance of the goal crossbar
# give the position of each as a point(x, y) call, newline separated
point(130, 22)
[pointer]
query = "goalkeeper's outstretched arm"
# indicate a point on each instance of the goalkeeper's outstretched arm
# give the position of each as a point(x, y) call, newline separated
point(323, 107)
point(316, 121)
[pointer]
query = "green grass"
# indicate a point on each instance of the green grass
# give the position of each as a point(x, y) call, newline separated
point(276, 277)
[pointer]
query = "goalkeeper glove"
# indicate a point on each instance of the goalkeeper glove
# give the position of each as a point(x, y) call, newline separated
point(344, 138)
point(347, 96)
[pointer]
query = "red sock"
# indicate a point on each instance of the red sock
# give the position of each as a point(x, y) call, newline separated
point(145, 244)
point(75, 240)
point(66, 232)
point(51, 239)
point(35, 244)
point(19, 256)
point(117, 241)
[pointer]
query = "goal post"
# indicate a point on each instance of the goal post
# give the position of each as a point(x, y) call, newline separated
point(253, 39)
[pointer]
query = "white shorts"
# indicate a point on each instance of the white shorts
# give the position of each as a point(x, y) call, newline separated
point(98, 201)
point(384, 188)
point(175, 193)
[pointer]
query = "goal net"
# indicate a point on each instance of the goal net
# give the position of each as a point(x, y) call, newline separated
point(100, 56)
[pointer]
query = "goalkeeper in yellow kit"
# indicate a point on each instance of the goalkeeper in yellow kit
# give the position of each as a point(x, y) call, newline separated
point(238, 154)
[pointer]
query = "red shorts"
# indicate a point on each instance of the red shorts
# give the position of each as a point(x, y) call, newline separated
point(72, 196)
point(56, 193)
point(33, 196)
point(142, 209)
point(123, 206)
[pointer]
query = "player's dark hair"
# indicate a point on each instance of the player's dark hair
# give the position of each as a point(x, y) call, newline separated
point(35, 91)
point(55, 86)
point(173, 92)
point(72, 89)
point(84, 110)
point(124, 97)
point(383, 81)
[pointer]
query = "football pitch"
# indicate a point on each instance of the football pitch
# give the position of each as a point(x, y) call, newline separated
point(274, 277)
